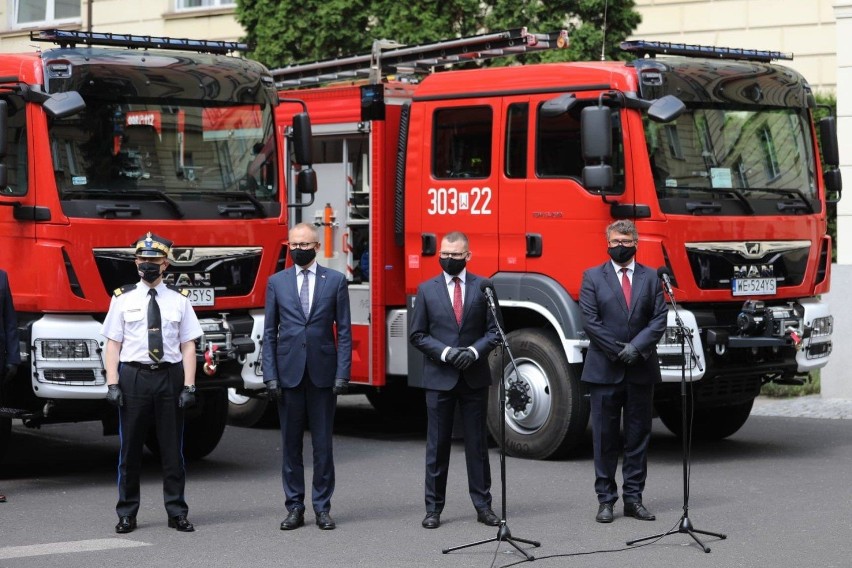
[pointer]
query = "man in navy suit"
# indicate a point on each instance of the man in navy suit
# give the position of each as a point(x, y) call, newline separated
point(625, 317)
point(305, 365)
point(453, 327)
point(10, 350)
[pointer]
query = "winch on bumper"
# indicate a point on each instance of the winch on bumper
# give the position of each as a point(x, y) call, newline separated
point(776, 341)
point(223, 348)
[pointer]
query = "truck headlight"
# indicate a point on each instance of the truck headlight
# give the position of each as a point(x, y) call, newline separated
point(822, 326)
point(65, 349)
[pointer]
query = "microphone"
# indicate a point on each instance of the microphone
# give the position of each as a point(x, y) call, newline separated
point(664, 274)
point(487, 287)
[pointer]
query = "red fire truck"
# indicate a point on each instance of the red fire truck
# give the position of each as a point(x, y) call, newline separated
point(712, 152)
point(103, 138)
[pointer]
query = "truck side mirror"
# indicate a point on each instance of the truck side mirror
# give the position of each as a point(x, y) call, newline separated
point(596, 133)
point(828, 140)
point(666, 109)
point(61, 105)
point(302, 139)
point(306, 181)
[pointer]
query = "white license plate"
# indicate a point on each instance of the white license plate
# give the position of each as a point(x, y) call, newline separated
point(201, 296)
point(753, 286)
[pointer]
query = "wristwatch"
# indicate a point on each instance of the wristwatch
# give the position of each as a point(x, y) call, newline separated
point(189, 388)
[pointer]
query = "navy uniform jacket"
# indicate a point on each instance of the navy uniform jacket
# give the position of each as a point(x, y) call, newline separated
point(607, 320)
point(434, 328)
point(11, 349)
point(292, 342)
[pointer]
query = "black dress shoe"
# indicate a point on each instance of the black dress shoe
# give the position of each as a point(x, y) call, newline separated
point(432, 520)
point(294, 520)
point(125, 525)
point(181, 524)
point(325, 522)
point(638, 511)
point(487, 517)
point(604, 513)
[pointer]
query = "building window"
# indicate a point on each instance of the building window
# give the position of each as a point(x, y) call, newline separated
point(30, 12)
point(191, 4)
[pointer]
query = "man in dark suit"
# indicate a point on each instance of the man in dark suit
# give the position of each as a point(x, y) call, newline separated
point(625, 317)
point(10, 350)
point(304, 370)
point(453, 327)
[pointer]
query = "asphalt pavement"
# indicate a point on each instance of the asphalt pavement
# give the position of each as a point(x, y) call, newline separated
point(777, 489)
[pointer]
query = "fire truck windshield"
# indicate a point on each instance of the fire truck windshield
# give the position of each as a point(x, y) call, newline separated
point(148, 149)
point(752, 157)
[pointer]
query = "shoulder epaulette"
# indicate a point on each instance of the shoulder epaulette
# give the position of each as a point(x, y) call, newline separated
point(123, 290)
point(179, 290)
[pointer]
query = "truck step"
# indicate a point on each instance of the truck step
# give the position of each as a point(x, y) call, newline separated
point(13, 412)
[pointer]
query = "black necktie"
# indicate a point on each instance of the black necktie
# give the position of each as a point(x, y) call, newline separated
point(155, 333)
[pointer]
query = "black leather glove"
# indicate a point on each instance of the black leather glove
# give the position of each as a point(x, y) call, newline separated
point(464, 359)
point(341, 386)
point(629, 355)
point(273, 391)
point(115, 396)
point(11, 371)
point(187, 397)
point(453, 355)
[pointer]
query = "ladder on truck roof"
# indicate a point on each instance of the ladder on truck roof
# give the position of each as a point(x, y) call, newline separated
point(389, 57)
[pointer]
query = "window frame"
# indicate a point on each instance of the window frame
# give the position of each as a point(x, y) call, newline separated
point(205, 5)
point(49, 16)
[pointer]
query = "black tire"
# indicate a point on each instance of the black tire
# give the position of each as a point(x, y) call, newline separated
point(5, 435)
point(203, 426)
point(249, 411)
point(708, 423)
point(555, 418)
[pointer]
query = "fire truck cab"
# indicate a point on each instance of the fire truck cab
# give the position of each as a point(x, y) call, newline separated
point(712, 152)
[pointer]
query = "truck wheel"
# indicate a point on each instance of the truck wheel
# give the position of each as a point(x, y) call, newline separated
point(203, 426)
point(248, 411)
point(555, 417)
point(708, 423)
point(5, 435)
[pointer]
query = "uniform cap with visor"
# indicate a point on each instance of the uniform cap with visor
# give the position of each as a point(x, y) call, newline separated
point(153, 246)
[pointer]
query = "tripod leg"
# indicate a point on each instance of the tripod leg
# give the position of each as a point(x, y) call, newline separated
point(701, 544)
point(653, 536)
point(720, 536)
point(468, 545)
point(525, 541)
point(519, 549)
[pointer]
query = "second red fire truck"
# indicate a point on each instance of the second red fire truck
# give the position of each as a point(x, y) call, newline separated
point(712, 152)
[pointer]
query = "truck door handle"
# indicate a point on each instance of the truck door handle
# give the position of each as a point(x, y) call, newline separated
point(534, 245)
point(428, 244)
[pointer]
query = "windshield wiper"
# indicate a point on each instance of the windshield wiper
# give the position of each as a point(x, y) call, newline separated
point(730, 191)
point(227, 210)
point(126, 194)
point(784, 191)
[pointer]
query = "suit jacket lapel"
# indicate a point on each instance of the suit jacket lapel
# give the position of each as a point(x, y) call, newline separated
point(469, 283)
point(319, 286)
point(636, 286)
point(444, 293)
point(613, 280)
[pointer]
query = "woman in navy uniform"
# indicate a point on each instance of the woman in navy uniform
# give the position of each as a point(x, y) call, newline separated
point(151, 330)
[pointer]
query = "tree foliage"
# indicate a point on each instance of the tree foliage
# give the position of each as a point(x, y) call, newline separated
point(283, 32)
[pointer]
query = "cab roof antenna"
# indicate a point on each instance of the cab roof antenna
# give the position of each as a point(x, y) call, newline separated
point(603, 39)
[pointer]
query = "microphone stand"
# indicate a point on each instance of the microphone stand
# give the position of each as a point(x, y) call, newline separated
point(684, 525)
point(503, 532)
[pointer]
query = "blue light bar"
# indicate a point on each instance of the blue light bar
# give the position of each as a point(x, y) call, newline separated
point(72, 38)
point(711, 52)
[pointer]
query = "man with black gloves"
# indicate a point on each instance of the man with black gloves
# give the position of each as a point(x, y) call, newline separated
point(624, 318)
point(151, 330)
point(305, 365)
point(453, 327)
point(10, 349)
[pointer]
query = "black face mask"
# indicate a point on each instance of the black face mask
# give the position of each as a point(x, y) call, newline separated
point(303, 257)
point(621, 253)
point(149, 271)
point(452, 266)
